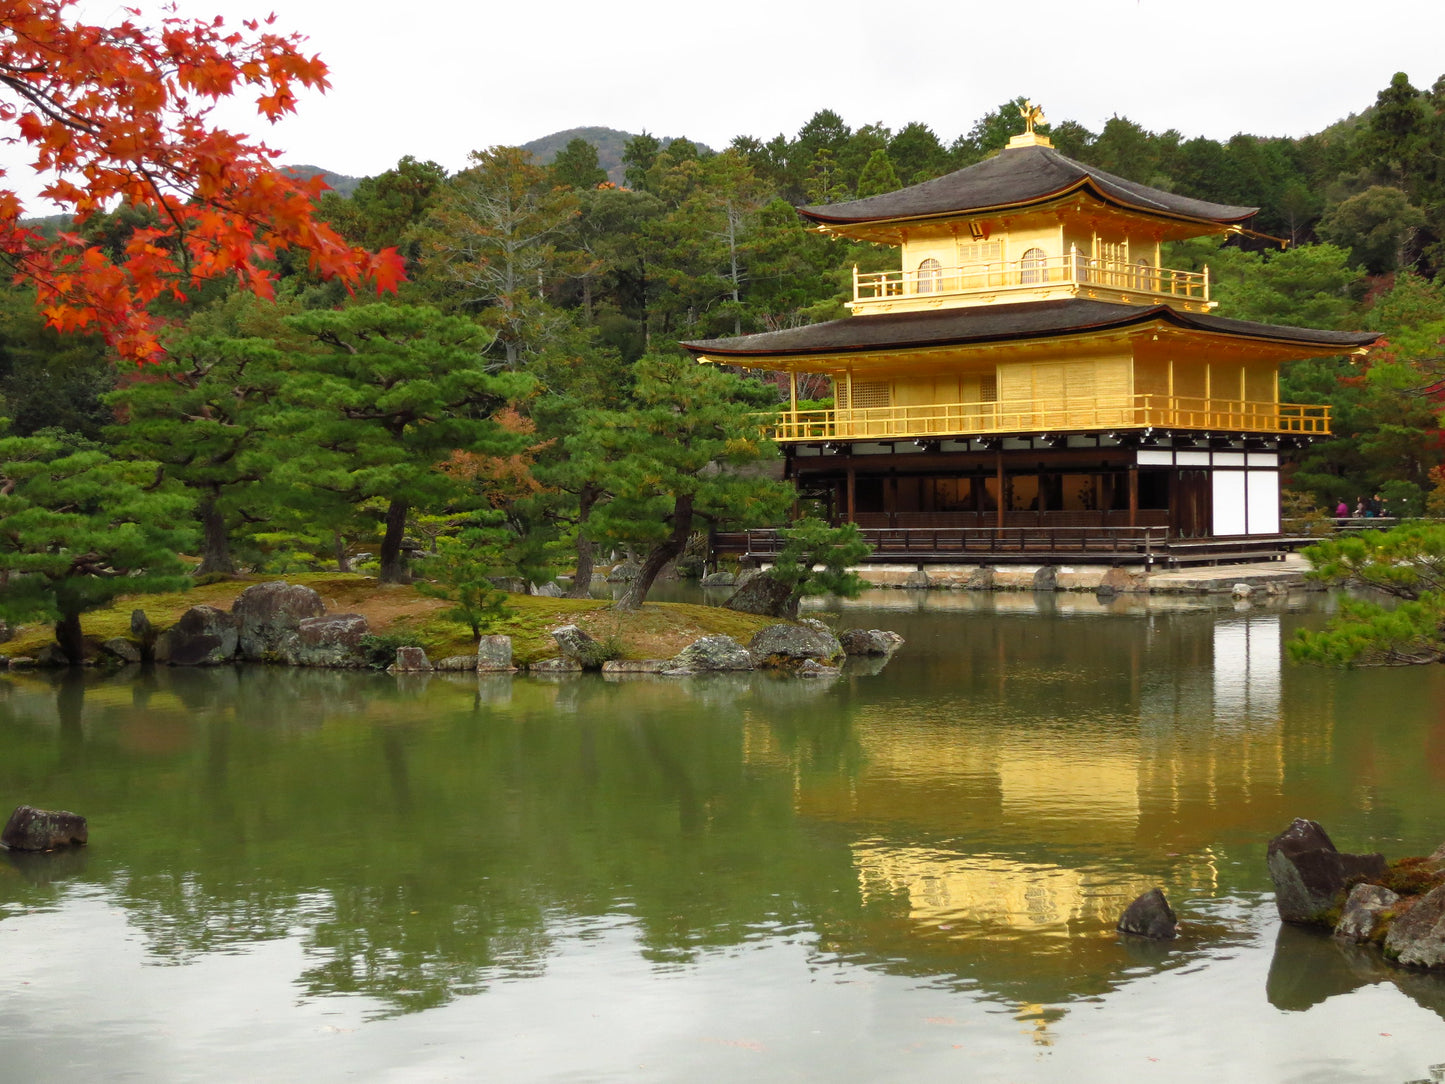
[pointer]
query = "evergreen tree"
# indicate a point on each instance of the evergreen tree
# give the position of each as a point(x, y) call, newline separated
point(78, 529)
point(576, 166)
point(878, 176)
point(375, 399)
point(199, 414)
point(677, 455)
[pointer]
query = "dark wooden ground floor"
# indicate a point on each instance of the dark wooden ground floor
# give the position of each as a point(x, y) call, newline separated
point(1187, 488)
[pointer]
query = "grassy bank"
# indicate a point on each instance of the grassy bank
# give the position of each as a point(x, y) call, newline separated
point(657, 630)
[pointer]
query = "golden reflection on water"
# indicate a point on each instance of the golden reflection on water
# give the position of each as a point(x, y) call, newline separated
point(1027, 806)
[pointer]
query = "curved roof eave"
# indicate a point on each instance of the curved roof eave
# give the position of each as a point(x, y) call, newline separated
point(997, 324)
point(1017, 178)
point(1083, 185)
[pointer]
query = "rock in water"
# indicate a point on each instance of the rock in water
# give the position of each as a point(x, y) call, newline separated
point(1417, 938)
point(785, 647)
point(1366, 909)
point(580, 647)
point(763, 595)
point(333, 640)
point(1150, 916)
point(31, 829)
point(713, 653)
point(410, 660)
point(870, 641)
point(1309, 873)
point(494, 653)
point(204, 636)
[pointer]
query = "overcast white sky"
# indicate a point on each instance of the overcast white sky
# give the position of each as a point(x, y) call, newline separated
point(438, 78)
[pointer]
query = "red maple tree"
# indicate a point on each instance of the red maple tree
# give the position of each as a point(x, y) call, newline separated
point(122, 114)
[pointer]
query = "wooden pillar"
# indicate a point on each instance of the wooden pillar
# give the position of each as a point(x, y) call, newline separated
point(892, 501)
point(998, 474)
point(793, 392)
point(1133, 494)
point(852, 494)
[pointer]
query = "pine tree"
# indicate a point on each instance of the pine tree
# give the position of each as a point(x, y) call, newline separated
point(377, 397)
point(78, 529)
point(679, 459)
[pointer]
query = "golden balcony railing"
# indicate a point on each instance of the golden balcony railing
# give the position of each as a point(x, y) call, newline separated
point(1074, 269)
point(1044, 416)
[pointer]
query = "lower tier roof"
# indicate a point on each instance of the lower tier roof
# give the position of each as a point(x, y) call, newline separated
point(1005, 323)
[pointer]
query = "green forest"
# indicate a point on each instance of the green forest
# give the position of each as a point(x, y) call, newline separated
point(522, 402)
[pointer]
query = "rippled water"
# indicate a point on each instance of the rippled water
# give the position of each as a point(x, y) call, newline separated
point(913, 871)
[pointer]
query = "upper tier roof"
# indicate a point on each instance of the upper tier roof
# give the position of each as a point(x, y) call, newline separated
point(1015, 178)
point(1003, 323)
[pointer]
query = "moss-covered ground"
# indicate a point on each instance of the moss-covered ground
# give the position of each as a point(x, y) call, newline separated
point(657, 630)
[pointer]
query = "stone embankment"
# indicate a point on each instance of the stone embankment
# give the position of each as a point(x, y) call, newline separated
point(1272, 578)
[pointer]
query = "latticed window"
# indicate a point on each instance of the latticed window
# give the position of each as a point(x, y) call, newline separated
point(1031, 267)
point(930, 277)
point(988, 388)
point(980, 252)
point(1144, 275)
point(872, 393)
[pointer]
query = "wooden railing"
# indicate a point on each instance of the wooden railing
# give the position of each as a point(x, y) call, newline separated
point(1074, 269)
point(956, 543)
point(1035, 416)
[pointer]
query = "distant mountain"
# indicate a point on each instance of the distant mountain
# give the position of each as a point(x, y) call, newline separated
point(339, 182)
point(610, 144)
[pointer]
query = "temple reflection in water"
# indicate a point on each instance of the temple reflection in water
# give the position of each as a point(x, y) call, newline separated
point(1016, 817)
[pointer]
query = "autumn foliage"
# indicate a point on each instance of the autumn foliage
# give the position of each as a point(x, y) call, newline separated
point(122, 113)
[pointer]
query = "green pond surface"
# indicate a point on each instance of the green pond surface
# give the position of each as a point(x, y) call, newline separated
point(910, 872)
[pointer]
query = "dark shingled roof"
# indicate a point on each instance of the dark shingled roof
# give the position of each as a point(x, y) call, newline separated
point(1015, 177)
point(1001, 323)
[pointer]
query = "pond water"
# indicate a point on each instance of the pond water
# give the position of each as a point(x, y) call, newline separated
point(911, 871)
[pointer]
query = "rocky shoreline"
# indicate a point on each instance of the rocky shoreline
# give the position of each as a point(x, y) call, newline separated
point(287, 624)
point(1397, 907)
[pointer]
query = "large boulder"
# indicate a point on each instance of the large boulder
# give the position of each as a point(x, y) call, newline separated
point(410, 660)
point(1417, 937)
point(636, 666)
point(763, 595)
point(332, 640)
point(1367, 909)
point(721, 578)
point(494, 653)
point(269, 613)
point(578, 646)
point(1310, 874)
point(785, 647)
point(1150, 916)
point(31, 829)
point(558, 664)
point(625, 572)
point(121, 649)
point(145, 634)
point(204, 636)
point(712, 653)
point(456, 662)
point(50, 655)
point(982, 578)
point(869, 641)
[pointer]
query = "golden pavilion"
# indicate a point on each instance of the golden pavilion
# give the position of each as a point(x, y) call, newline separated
point(1033, 366)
